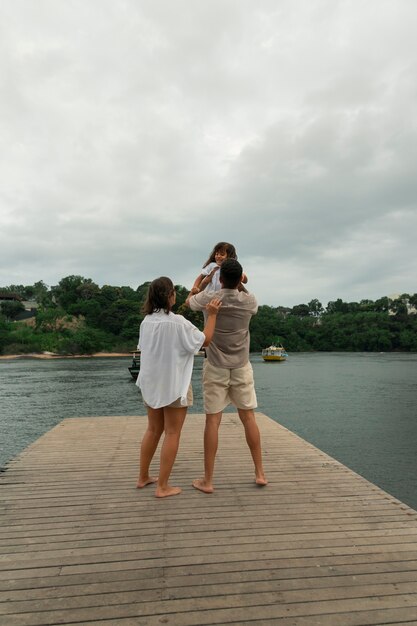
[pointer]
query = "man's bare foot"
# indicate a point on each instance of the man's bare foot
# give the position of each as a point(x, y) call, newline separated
point(167, 491)
point(261, 480)
point(201, 485)
point(142, 482)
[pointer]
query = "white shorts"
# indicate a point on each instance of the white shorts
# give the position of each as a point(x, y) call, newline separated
point(223, 386)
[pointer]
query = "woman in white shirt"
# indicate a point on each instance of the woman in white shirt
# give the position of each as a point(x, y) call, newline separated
point(167, 344)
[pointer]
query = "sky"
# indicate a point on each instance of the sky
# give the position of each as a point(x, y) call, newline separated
point(136, 134)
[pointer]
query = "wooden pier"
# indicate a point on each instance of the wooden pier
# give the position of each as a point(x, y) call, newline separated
point(80, 544)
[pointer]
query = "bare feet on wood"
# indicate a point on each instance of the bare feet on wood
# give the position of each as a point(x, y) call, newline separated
point(167, 491)
point(201, 485)
point(142, 482)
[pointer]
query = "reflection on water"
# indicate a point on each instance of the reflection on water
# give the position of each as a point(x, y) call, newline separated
point(360, 408)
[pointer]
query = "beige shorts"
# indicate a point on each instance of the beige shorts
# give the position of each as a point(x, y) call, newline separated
point(177, 403)
point(224, 386)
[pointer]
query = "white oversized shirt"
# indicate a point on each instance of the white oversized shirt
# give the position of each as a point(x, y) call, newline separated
point(167, 344)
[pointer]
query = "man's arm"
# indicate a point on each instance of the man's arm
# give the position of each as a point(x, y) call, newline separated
point(197, 302)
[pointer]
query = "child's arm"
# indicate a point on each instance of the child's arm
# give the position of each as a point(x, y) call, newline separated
point(197, 284)
point(207, 279)
point(202, 281)
point(244, 279)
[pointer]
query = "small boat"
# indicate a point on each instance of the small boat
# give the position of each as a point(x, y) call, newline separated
point(135, 365)
point(274, 353)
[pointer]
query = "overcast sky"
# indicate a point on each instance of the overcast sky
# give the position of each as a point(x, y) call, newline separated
point(135, 134)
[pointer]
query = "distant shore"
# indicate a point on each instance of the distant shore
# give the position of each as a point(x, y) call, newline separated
point(53, 355)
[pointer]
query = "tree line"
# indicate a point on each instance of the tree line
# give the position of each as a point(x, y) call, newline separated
point(79, 317)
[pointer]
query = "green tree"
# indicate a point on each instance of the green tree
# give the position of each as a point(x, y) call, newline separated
point(337, 306)
point(49, 320)
point(265, 326)
point(5, 328)
point(300, 310)
point(113, 318)
point(142, 290)
point(11, 309)
point(67, 291)
point(382, 305)
point(315, 308)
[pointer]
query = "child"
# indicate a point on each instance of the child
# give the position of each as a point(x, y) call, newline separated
point(209, 276)
point(167, 343)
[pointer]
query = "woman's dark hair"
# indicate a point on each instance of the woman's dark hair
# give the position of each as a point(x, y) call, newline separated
point(222, 246)
point(158, 295)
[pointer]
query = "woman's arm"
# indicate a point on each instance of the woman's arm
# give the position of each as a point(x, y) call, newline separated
point(212, 309)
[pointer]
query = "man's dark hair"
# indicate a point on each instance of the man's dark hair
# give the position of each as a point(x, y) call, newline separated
point(230, 273)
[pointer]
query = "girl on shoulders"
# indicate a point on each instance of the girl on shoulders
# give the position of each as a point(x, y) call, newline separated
point(209, 276)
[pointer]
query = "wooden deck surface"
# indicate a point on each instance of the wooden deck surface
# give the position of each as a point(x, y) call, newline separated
point(80, 545)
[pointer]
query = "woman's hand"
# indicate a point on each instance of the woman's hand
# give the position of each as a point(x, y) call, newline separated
point(213, 306)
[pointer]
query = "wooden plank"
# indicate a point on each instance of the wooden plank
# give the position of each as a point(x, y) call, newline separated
point(79, 544)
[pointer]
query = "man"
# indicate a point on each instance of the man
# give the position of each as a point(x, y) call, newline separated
point(227, 372)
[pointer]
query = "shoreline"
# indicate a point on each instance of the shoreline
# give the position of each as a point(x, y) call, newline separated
point(51, 355)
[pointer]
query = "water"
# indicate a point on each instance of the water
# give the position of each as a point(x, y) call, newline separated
point(361, 408)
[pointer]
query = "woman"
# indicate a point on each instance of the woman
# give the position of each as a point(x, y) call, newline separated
point(167, 343)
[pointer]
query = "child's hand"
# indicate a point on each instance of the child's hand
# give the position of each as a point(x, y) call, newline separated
point(194, 290)
point(213, 306)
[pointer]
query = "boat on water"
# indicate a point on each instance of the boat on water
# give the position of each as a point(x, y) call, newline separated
point(135, 365)
point(274, 353)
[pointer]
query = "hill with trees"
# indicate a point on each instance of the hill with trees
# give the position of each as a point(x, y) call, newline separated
point(79, 317)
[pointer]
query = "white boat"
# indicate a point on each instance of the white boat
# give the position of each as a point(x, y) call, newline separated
point(274, 353)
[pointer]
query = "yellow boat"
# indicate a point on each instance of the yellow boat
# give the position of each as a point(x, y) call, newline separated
point(274, 353)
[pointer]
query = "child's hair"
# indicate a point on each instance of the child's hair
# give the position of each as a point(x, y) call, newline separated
point(222, 246)
point(230, 273)
point(157, 298)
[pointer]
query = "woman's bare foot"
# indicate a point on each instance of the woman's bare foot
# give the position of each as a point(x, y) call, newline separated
point(167, 491)
point(261, 480)
point(142, 482)
point(201, 485)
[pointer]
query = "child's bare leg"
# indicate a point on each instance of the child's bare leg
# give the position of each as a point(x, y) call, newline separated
point(253, 439)
point(211, 441)
point(173, 420)
point(149, 444)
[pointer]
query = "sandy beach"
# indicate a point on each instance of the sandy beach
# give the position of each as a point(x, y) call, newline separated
point(51, 355)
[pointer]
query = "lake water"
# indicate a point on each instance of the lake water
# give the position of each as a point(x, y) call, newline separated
point(361, 408)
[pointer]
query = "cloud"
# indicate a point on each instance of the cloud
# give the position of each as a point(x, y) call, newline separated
point(137, 135)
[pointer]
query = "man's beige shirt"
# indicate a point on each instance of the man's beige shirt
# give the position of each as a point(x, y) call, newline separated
point(229, 347)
